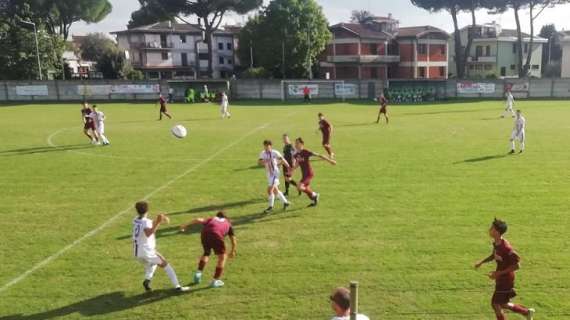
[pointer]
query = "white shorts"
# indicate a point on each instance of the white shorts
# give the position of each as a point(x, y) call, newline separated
point(509, 107)
point(149, 258)
point(273, 181)
point(520, 136)
point(101, 128)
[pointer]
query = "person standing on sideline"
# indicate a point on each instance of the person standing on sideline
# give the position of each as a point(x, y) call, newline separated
point(163, 109)
point(508, 262)
point(99, 121)
point(224, 106)
point(509, 105)
point(271, 159)
point(383, 108)
point(144, 245)
point(214, 230)
point(518, 132)
point(340, 303)
point(307, 94)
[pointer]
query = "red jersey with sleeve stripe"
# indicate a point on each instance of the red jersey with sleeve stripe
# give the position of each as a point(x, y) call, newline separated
point(302, 157)
point(162, 101)
point(506, 257)
point(325, 126)
point(218, 227)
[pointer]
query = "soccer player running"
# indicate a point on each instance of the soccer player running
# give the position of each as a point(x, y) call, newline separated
point(508, 262)
point(383, 108)
point(144, 243)
point(98, 118)
point(88, 124)
point(271, 159)
point(163, 109)
point(224, 106)
point(518, 132)
point(302, 159)
point(288, 152)
point(509, 106)
point(326, 129)
point(214, 230)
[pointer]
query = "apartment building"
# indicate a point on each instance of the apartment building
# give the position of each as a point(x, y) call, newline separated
point(168, 50)
point(566, 55)
point(494, 53)
point(382, 50)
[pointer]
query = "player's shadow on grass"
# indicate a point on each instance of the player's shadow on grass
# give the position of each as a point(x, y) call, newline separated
point(103, 305)
point(217, 207)
point(254, 167)
point(481, 159)
point(46, 149)
point(364, 124)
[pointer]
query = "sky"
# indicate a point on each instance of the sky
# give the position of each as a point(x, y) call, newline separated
point(338, 11)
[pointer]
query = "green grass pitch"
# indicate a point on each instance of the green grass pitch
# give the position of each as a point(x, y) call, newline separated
point(405, 212)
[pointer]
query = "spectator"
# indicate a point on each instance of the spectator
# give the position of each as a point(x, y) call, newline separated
point(340, 303)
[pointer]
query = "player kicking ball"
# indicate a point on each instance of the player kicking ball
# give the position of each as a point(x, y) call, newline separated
point(302, 160)
point(271, 159)
point(326, 129)
point(518, 133)
point(508, 262)
point(144, 243)
point(383, 108)
point(214, 230)
point(225, 106)
point(509, 105)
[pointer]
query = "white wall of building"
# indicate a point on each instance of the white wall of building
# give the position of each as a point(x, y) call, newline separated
point(566, 57)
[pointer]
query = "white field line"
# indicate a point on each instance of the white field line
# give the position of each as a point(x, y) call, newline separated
point(93, 232)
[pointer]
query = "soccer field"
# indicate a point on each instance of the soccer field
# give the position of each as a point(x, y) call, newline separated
point(405, 212)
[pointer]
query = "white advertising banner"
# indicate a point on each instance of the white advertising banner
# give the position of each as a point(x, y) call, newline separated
point(93, 90)
point(135, 88)
point(297, 89)
point(517, 87)
point(40, 90)
point(469, 87)
point(345, 89)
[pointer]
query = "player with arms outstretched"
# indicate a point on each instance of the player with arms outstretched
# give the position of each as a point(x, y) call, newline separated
point(383, 108)
point(508, 262)
point(326, 129)
point(271, 159)
point(288, 152)
point(163, 110)
point(214, 230)
point(509, 105)
point(302, 160)
point(518, 133)
point(144, 244)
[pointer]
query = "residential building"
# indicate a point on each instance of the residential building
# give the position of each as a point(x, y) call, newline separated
point(382, 49)
point(566, 55)
point(80, 69)
point(494, 52)
point(168, 50)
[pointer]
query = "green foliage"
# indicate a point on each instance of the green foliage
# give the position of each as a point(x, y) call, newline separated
point(255, 73)
point(293, 22)
point(361, 16)
point(132, 74)
point(95, 45)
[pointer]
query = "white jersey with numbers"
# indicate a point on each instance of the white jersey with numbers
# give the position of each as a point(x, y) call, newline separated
point(144, 247)
point(271, 160)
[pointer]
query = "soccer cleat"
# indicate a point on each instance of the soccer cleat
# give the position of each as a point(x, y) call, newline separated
point(286, 205)
point(521, 151)
point(146, 285)
point(530, 315)
point(512, 152)
point(197, 277)
point(316, 200)
point(217, 284)
point(182, 289)
point(268, 210)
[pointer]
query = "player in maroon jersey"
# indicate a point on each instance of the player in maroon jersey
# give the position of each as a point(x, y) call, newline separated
point(383, 108)
point(508, 262)
point(88, 124)
point(302, 159)
point(327, 130)
point(214, 230)
point(163, 109)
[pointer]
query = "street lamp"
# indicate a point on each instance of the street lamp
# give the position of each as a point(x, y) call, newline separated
point(29, 23)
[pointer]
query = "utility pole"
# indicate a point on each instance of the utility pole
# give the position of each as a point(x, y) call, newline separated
point(29, 23)
point(250, 54)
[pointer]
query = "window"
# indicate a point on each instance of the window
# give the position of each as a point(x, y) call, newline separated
point(503, 71)
point(535, 67)
point(230, 61)
point(229, 46)
point(442, 71)
point(442, 48)
point(182, 38)
point(422, 49)
point(203, 56)
point(514, 48)
point(221, 60)
point(488, 51)
point(488, 67)
point(220, 46)
point(373, 49)
point(374, 73)
point(478, 51)
point(184, 58)
point(513, 67)
point(421, 72)
point(525, 47)
point(164, 55)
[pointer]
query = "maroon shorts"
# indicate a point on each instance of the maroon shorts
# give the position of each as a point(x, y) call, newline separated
point(89, 125)
point(213, 242)
point(326, 138)
point(306, 181)
point(163, 109)
point(383, 110)
point(504, 291)
point(287, 172)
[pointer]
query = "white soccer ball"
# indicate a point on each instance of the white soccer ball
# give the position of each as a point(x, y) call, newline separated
point(179, 131)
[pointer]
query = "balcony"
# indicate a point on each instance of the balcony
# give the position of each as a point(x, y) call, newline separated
point(364, 59)
point(153, 45)
point(484, 59)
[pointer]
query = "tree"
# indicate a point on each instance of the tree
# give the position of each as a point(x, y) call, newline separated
point(210, 14)
point(303, 30)
point(552, 55)
point(362, 17)
point(95, 45)
point(454, 7)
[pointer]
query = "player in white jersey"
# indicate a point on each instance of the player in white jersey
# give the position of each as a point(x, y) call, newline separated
point(99, 121)
point(509, 105)
point(144, 245)
point(271, 159)
point(518, 132)
point(224, 106)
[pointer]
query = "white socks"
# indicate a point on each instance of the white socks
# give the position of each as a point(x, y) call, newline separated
point(172, 275)
point(282, 197)
point(271, 200)
point(513, 145)
point(149, 270)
